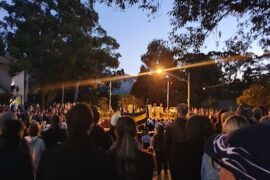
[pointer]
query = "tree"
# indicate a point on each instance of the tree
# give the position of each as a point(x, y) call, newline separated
point(257, 95)
point(2, 46)
point(57, 41)
point(153, 87)
point(151, 6)
point(128, 99)
point(103, 104)
point(203, 76)
point(253, 22)
point(201, 17)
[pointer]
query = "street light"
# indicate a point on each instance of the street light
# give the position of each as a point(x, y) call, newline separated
point(160, 71)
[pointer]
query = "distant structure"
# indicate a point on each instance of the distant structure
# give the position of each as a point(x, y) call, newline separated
point(16, 86)
point(125, 86)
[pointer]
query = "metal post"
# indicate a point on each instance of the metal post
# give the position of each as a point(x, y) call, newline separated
point(110, 97)
point(188, 91)
point(133, 106)
point(168, 94)
point(76, 91)
point(63, 94)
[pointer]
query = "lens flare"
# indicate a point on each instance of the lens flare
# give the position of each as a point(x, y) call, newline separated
point(86, 82)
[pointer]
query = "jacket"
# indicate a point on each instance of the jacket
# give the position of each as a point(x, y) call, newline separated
point(76, 158)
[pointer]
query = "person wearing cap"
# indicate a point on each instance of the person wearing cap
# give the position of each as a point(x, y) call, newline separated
point(242, 154)
point(113, 124)
point(210, 169)
point(77, 157)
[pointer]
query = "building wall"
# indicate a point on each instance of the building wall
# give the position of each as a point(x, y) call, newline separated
point(6, 80)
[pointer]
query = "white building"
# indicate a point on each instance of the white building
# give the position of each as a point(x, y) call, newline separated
point(6, 82)
point(125, 86)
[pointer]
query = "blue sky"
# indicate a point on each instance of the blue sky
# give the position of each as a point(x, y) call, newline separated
point(134, 31)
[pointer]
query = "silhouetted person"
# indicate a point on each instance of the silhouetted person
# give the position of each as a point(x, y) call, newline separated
point(131, 162)
point(159, 148)
point(98, 135)
point(186, 156)
point(54, 135)
point(77, 157)
point(15, 162)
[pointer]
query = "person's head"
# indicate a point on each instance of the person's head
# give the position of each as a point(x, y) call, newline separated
point(13, 130)
point(114, 120)
point(246, 112)
point(126, 126)
point(182, 110)
point(160, 129)
point(199, 127)
point(33, 131)
point(126, 130)
point(258, 113)
point(5, 116)
point(219, 114)
point(243, 154)
point(265, 120)
point(95, 114)
point(234, 122)
point(145, 132)
point(55, 120)
point(224, 116)
point(79, 120)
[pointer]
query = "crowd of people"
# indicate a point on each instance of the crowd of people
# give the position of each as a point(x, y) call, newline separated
point(69, 142)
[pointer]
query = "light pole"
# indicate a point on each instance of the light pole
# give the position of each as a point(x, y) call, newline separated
point(110, 96)
point(168, 93)
point(188, 91)
point(160, 71)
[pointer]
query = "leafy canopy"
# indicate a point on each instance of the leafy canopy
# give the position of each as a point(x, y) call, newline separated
point(57, 40)
point(257, 95)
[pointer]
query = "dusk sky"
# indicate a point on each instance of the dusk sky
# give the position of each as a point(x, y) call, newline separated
point(133, 30)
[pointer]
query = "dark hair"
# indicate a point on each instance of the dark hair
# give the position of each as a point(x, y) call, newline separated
point(199, 127)
point(160, 129)
point(126, 146)
point(182, 109)
point(95, 114)
point(258, 113)
point(126, 125)
point(55, 120)
point(33, 131)
point(218, 123)
point(246, 112)
point(79, 119)
point(11, 130)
